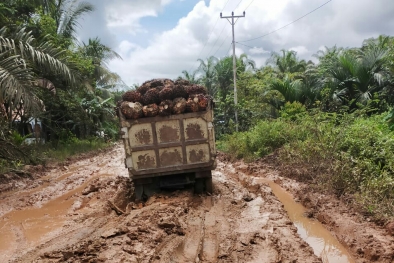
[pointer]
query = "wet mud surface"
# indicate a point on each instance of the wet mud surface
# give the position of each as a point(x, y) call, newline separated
point(83, 211)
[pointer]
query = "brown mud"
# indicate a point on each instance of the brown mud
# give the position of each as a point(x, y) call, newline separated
point(364, 240)
point(83, 211)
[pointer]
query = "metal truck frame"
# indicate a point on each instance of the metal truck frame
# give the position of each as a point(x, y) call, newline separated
point(171, 151)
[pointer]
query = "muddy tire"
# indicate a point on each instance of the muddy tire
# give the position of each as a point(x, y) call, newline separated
point(208, 185)
point(150, 189)
point(199, 186)
point(142, 191)
point(138, 191)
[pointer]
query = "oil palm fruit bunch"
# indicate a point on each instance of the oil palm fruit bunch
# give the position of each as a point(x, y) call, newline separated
point(179, 91)
point(179, 106)
point(165, 107)
point(166, 94)
point(202, 101)
point(151, 96)
point(132, 96)
point(131, 110)
point(150, 110)
point(196, 89)
point(191, 105)
point(156, 83)
point(168, 83)
point(144, 87)
point(183, 82)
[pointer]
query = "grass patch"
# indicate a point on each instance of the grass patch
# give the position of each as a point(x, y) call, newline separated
point(64, 150)
point(51, 152)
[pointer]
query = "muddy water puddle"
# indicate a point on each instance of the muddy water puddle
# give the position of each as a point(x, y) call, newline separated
point(47, 181)
point(313, 232)
point(30, 226)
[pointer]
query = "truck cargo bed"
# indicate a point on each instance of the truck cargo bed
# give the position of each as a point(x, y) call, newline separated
point(156, 146)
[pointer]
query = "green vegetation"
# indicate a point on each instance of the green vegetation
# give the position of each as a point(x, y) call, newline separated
point(52, 87)
point(329, 123)
point(345, 154)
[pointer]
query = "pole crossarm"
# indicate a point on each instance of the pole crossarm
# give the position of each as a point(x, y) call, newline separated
point(234, 63)
point(232, 15)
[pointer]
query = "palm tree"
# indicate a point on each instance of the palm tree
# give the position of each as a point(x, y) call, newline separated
point(100, 55)
point(245, 64)
point(190, 76)
point(208, 72)
point(357, 75)
point(66, 14)
point(290, 89)
point(224, 76)
point(20, 57)
point(287, 62)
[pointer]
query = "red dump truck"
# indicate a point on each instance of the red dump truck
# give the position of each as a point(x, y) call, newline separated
point(170, 151)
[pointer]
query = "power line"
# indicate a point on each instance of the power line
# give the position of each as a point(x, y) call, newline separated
point(209, 36)
point(237, 5)
point(225, 5)
point(288, 23)
point(225, 39)
point(224, 26)
point(249, 5)
point(244, 45)
point(228, 51)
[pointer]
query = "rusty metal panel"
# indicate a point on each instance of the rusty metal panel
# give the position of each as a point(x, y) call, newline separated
point(141, 134)
point(198, 153)
point(143, 160)
point(171, 156)
point(195, 128)
point(157, 146)
point(168, 131)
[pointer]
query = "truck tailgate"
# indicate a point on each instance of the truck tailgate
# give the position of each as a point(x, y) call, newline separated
point(167, 145)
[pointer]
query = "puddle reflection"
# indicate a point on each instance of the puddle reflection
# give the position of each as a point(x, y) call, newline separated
point(313, 232)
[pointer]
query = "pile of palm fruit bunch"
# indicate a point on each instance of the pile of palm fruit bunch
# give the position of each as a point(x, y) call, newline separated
point(163, 97)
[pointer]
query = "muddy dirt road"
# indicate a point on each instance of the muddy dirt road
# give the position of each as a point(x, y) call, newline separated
point(82, 212)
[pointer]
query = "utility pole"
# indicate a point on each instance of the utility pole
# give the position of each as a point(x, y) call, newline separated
point(232, 22)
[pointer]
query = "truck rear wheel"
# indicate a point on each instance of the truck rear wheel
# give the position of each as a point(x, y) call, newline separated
point(199, 186)
point(208, 185)
point(138, 191)
point(144, 190)
point(202, 185)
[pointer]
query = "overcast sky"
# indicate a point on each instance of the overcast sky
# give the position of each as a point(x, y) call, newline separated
point(161, 38)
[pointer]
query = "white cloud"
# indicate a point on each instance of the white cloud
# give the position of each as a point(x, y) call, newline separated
point(125, 47)
point(343, 23)
point(301, 50)
point(258, 51)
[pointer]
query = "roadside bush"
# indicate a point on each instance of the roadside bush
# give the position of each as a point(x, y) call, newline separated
point(262, 139)
point(348, 155)
point(353, 157)
point(292, 111)
point(73, 147)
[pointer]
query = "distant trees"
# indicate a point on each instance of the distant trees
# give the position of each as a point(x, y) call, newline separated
point(46, 73)
point(343, 79)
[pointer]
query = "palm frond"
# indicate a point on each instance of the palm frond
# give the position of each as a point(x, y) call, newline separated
point(16, 81)
point(69, 13)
